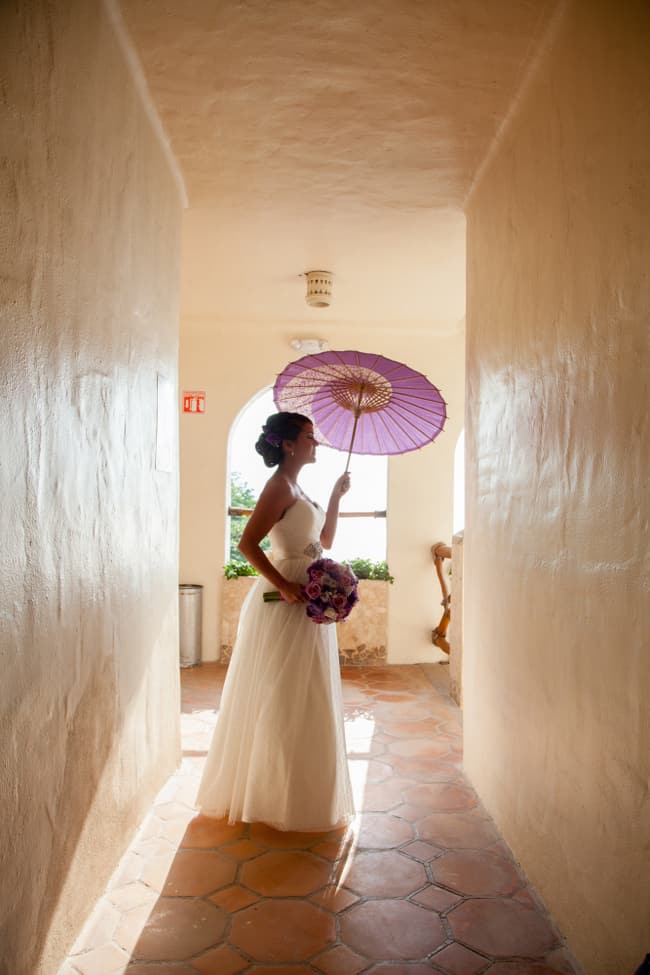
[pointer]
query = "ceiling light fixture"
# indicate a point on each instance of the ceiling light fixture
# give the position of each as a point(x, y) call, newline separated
point(319, 288)
point(310, 346)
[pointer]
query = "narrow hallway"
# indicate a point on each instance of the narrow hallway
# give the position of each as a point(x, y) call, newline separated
point(421, 883)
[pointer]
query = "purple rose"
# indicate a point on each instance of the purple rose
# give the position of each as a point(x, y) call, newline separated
point(331, 590)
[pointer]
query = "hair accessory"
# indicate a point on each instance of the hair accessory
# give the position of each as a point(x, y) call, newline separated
point(273, 439)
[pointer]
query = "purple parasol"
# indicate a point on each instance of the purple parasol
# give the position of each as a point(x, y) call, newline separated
point(362, 401)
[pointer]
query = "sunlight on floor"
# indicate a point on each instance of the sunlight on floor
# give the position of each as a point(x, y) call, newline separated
point(420, 881)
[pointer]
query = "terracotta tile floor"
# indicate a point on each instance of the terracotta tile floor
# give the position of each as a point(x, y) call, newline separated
point(420, 883)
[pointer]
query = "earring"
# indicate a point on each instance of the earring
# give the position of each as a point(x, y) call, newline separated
point(293, 453)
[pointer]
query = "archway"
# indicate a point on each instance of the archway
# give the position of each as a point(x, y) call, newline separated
point(358, 536)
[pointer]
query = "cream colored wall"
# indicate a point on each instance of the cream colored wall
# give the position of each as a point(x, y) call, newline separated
point(556, 668)
point(232, 365)
point(89, 690)
point(420, 503)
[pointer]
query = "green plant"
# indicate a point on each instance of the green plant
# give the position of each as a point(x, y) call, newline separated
point(241, 496)
point(362, 568)
point(232, 570)
point(367, 569)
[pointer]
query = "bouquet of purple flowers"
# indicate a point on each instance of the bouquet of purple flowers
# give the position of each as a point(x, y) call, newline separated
point(332, 591)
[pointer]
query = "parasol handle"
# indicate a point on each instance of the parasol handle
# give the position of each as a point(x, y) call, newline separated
point(357, 414)
point(354, 433)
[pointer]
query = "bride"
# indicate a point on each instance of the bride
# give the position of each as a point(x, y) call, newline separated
point(278, 751)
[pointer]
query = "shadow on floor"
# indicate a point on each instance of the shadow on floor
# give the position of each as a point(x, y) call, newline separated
point(420, 883)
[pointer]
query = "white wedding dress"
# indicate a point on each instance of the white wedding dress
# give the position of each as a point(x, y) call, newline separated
point(278, 751)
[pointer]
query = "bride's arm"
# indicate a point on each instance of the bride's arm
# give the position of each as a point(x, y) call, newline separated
point(341, 487)
point(274, 501)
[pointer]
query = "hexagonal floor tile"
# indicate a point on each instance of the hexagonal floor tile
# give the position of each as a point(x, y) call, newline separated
point(280, 840)
point(389, 929)
point(398, 969)
point(383, 796)
point(385, 874)
point(197, 872)
point(418, 748)
point(457, 830)
point(426, 727)
point(522, 968)
point(204, 832)
point(179, 928)
point(138, 969)
point(108, 958)
point(457, 960)
point(441, 797)
point(436, 899)
point(220, 961)
point(234, 898)
point(285, 873)
point(281, 970)
point(132, 895)
point(381, 831)
point(282, 931)
point(425, 769)
point(476, 872)
point(242, 849)
point(419, 850)
point(340, 961)
point(502, 928)
point(375, 770)
point(334, 899)
point(331, 849)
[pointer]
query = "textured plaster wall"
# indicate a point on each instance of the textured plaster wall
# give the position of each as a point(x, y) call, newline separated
point(556, 668)
point(88, 629)
point(232, 365)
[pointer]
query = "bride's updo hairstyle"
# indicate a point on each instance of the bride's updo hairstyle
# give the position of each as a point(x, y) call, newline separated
point(278, 427)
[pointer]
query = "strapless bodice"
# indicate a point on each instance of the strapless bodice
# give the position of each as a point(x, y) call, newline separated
point(297, 534)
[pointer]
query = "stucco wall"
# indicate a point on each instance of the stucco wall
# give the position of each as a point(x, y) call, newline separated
point(556, 668)
point(232, 365)
point(89, 689)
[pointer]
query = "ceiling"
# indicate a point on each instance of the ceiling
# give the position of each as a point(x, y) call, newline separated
point(335, 135)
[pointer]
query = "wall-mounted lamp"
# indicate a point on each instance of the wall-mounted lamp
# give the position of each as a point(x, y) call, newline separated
point(319, 289)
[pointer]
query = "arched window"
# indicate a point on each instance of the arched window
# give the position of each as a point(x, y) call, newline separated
point(357, 537)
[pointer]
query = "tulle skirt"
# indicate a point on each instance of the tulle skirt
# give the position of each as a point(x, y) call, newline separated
point(278, 751)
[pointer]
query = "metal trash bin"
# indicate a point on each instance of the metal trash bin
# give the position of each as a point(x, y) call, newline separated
point(190, 619)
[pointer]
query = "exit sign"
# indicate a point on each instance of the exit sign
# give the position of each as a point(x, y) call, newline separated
point(193, 401)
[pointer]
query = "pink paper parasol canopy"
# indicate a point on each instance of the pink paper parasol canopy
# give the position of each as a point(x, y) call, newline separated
point(362, 402)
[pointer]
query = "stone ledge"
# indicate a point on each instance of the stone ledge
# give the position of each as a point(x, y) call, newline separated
point(362, 638)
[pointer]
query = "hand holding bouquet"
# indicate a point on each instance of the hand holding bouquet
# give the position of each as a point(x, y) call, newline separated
point(331, 591)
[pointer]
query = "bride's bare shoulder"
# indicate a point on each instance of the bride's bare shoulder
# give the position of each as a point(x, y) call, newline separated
point(278, 493)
